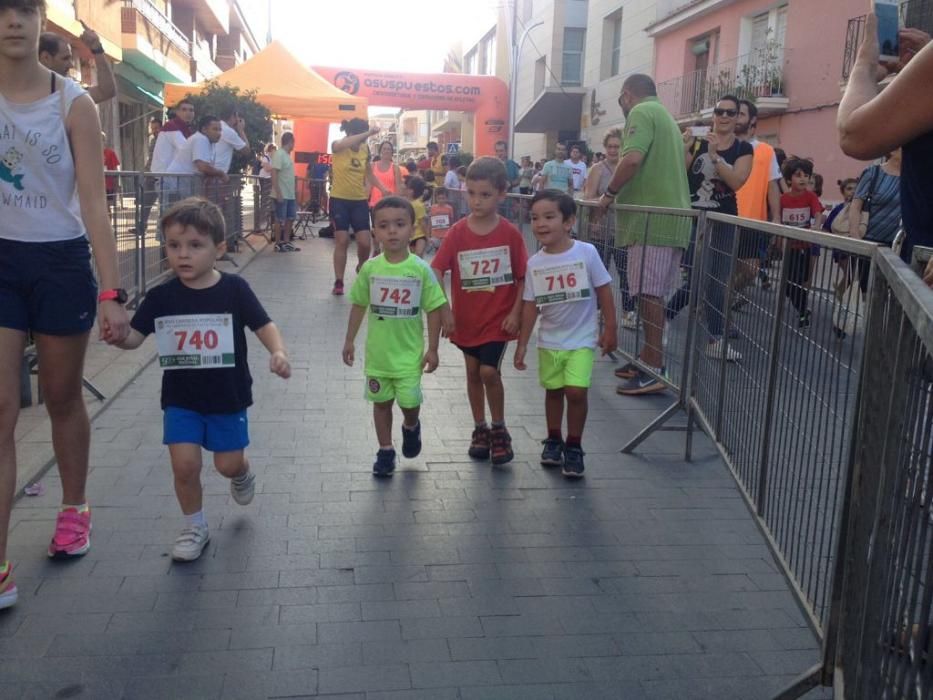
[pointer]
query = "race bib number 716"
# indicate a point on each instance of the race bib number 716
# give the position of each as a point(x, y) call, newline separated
point(561, 283)
point(195, 341)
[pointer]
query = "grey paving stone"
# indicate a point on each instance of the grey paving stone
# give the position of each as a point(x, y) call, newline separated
point(293, 657)
point(414, 651)
point(441, 627)
point(453, 673)
point(278, 684)
point(373, 630)
point(352, 679)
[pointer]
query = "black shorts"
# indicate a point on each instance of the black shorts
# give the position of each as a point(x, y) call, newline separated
point(48, 288)
point(489, 354)
point(350, 213)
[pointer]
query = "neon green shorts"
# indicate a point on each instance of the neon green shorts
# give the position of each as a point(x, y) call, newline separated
point(405, 391)
point(560, 368)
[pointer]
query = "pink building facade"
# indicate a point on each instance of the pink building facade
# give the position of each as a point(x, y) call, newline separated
point(786, 56)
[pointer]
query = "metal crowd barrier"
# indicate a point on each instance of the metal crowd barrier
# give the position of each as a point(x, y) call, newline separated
point(808, 359)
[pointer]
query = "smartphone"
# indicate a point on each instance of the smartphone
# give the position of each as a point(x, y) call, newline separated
point(888, 14)
point(699, 131)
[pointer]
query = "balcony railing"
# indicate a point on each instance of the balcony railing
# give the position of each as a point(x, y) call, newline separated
point(160, 22)
point(917, 14)
point(754, 76)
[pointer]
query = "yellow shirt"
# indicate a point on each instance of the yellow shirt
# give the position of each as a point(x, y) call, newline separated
point(349, 174)
point(420, 214)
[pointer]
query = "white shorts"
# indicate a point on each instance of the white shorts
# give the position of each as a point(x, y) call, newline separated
point(653, 271)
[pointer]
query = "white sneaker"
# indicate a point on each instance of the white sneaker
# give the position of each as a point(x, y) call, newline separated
point(191, 543)
point(718, 347)
point(243, 493)
point(629, 320)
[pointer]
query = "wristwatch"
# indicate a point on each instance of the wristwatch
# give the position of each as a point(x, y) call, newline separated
point(117, 295)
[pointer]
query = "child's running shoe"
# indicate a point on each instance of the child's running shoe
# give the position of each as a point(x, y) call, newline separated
point(501, 450)
point(337, 291)
point(8, 593)
point(72, 536)
point(191, 543)
point(385, 463)
point(573, 462)
point(553, 453)
point(480, 443)
point(411, 441)
point(243, 488)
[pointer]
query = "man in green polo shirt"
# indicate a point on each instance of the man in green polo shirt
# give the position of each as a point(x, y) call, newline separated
point(652, 172)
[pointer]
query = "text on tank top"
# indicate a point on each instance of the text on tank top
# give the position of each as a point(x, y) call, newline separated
point(349, 174)
point(38, 193)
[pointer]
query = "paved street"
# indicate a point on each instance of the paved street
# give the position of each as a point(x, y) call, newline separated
point(648, 579)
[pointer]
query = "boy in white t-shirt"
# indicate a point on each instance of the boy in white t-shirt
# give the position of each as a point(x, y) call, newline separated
point(563, 283)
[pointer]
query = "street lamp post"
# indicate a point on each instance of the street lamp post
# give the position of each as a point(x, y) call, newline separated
point(513, 88)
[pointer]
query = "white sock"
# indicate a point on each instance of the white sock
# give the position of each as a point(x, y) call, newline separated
point(196, 519)
point(241, 479)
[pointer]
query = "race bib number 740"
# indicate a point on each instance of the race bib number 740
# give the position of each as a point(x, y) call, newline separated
point(195, 341)
point(561, 283)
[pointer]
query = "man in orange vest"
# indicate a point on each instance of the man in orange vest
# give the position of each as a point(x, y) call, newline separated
point(760, 197)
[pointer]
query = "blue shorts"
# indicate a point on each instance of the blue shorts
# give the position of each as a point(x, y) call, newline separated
point(350, 213)
point(285, 209)
point(47, 288)
point(217, 432)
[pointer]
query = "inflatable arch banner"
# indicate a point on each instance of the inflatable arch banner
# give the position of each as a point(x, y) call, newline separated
point(486, 96)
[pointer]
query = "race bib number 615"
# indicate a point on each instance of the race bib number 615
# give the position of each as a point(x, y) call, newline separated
point(195, 341)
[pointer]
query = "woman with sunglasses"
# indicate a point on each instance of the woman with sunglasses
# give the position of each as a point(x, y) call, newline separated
point(718, 164)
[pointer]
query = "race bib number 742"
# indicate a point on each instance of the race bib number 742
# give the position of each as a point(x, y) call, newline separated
point(195, 341)
point(395, 297)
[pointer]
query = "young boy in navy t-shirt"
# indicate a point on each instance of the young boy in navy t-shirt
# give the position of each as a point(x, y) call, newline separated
point(198, 318)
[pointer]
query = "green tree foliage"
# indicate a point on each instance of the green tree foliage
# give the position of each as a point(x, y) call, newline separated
point(216, 97)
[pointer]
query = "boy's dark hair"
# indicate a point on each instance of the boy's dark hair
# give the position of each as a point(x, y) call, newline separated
point(37, 5)
point(411, 166)
point(203, 216)
point(793, 164)
point(49, 42)
point(781, 156)
point(395, 202)
point(440, 191)
point(206, 120)
point(416, 185)
point(564, 201)
point(462, 170)
point(429, 176)
point(288, 137)
point(184, 101)
point(489, 169)
point(752, 110)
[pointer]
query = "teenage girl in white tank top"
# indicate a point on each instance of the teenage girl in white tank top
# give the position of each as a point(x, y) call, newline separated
point(51, 202)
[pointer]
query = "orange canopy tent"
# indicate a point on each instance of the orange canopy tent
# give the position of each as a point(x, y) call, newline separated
point(289, 89)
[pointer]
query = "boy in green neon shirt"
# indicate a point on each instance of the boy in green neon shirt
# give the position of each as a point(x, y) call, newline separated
point(395, 287)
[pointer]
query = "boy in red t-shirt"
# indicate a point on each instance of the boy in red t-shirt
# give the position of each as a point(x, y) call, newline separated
point(800, 208)
point(486, 257)
point(440, 216)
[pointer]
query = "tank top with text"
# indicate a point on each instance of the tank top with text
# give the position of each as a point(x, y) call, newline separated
point(38, 193)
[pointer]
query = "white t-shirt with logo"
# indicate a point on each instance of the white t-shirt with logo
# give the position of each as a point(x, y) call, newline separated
point(230, 141)
point(564, 287)
point(577, 172)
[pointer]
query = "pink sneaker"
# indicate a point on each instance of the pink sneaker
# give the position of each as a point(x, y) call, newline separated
point(7, 590)
point(72, 534)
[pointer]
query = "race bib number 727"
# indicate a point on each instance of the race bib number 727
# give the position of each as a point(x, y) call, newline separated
point(195, 341)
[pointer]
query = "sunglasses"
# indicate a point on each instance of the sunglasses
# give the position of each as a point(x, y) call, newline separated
point(719, 112)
